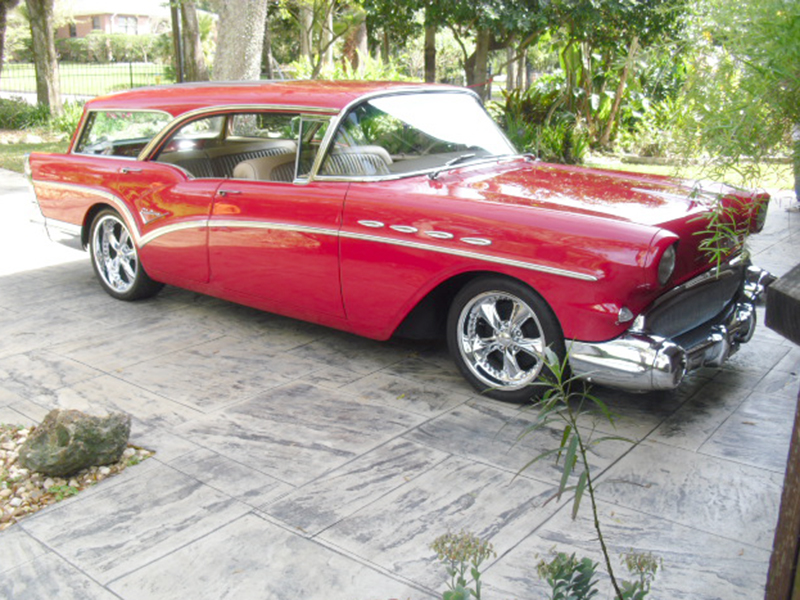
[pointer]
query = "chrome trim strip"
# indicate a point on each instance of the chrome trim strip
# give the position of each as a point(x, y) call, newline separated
point(469, 254)
point(63, 226)
point(141, 241)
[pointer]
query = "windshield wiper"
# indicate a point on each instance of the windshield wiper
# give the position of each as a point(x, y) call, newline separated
point(450, 163)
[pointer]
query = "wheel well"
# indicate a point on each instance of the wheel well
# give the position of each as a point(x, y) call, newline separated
point(428, 319)
point(88, 219)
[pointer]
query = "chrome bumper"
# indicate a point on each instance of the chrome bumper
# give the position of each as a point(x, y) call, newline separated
point(637, 361)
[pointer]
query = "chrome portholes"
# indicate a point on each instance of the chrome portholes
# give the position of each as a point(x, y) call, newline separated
point(404, 228)
point(501, 340)
point(371, 224)
point(114, 254)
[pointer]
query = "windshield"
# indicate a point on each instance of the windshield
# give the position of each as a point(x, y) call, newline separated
point(408, 133)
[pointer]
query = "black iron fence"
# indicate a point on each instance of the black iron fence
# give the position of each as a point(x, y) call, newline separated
point(81, 80)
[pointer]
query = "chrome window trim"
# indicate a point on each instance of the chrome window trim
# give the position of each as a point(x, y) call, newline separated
point(227, 108)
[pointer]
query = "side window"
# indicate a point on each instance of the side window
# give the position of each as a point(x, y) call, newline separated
point(312, 132)
point(120, 133)
point(251, 145)
point(360, 145)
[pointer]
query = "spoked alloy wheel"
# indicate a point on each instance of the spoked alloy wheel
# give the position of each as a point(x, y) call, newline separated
point(116, 260)
point(498, 330)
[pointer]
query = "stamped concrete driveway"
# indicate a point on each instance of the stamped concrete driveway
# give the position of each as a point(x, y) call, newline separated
point(298, 462)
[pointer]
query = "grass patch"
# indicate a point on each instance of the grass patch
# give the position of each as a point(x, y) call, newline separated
point(771, 176)
point(12, 155)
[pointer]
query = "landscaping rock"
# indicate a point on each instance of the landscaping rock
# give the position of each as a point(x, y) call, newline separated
point(69, 440)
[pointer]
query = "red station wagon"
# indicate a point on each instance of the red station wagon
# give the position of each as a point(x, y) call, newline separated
point(399, 209)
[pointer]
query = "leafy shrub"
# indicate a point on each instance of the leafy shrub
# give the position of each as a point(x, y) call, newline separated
point(109, 47)
point(569, 578)
point(16, 113)
point(67, 122)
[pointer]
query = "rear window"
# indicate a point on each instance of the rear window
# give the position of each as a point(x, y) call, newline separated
point(120, 133)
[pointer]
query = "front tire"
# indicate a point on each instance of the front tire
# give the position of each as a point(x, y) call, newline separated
point(115, 259)
point(497, 331)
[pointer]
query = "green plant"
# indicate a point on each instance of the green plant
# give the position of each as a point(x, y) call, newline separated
point(463, 553)
point(68, 120)
point(566, 402)
point(17, 113)
point(725, 232)
point(569, 578)
point(644, 566)
point(63, 491)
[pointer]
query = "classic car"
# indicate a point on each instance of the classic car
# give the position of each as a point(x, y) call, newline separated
point(401, 209)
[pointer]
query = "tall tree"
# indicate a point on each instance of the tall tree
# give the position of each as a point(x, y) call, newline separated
point(194, 60)
point(40, 14)
point(240, 39)
point(5, 7)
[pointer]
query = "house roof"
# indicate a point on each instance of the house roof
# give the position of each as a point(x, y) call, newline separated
point(181, 98)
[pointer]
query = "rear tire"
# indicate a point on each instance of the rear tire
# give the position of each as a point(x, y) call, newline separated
point(497, 330)
point(115, 259)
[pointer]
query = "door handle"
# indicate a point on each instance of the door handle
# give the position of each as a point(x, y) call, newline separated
point(227, 192)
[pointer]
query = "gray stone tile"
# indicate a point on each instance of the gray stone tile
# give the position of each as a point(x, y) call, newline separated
point(756, 358)
point(9, 415)
point(351, 353)
point(328, 500)
point(781, 383)
point(297, 432)
point(114, 348)
point(167, 445)
point(106, 394)
point(17, 548)
point(332, 378)
point(757, 434)
point(493, 434)
point(120, 528)
point(214, 374)
point(50, 576)
point(717, 496)
point(252, 558)
point(694, 422)
point(27, 332)
point(274, 332)
point(396, 532)
point(434, 369)
point(34, 373)
point(238, 481)
point(398, 392)
point(696, 565)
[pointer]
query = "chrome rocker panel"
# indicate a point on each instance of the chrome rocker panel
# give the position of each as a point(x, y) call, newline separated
point(641, 362)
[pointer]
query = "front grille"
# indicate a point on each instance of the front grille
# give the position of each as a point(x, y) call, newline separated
point(693, 303)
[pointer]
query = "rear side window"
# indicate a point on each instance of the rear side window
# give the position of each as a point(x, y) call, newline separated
point(120, 133)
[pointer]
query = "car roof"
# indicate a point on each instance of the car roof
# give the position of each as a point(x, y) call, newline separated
point(181, 98)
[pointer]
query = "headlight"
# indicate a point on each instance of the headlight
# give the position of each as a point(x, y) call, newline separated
point(667, 265)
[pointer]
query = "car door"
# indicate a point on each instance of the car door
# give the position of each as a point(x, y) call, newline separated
point(275, 244)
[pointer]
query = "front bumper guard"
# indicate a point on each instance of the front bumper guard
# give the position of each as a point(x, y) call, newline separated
point(641, 362)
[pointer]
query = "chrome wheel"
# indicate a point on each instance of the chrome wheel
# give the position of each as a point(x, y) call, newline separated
point(116, 261)
point(498, 330)
point(501, 340)
point(114, 254)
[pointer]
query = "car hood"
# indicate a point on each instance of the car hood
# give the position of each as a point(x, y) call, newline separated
point(633, 197)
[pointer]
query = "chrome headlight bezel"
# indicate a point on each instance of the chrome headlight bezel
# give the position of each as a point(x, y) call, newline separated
point(666, 265)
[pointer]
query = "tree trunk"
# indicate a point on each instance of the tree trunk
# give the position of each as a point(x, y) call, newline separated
point(306, 27)
point(177, 42)
point(430, 53)
point(240, 39)
point(45, 58)
point(623, 78)
point(478, 78)
point(355, 47)
point(266, 57)
point(5, 7)
point(326, 38)
point(193, 59)
point(511, 74)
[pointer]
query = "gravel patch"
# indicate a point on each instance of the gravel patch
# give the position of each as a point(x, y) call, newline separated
point(23, 492)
